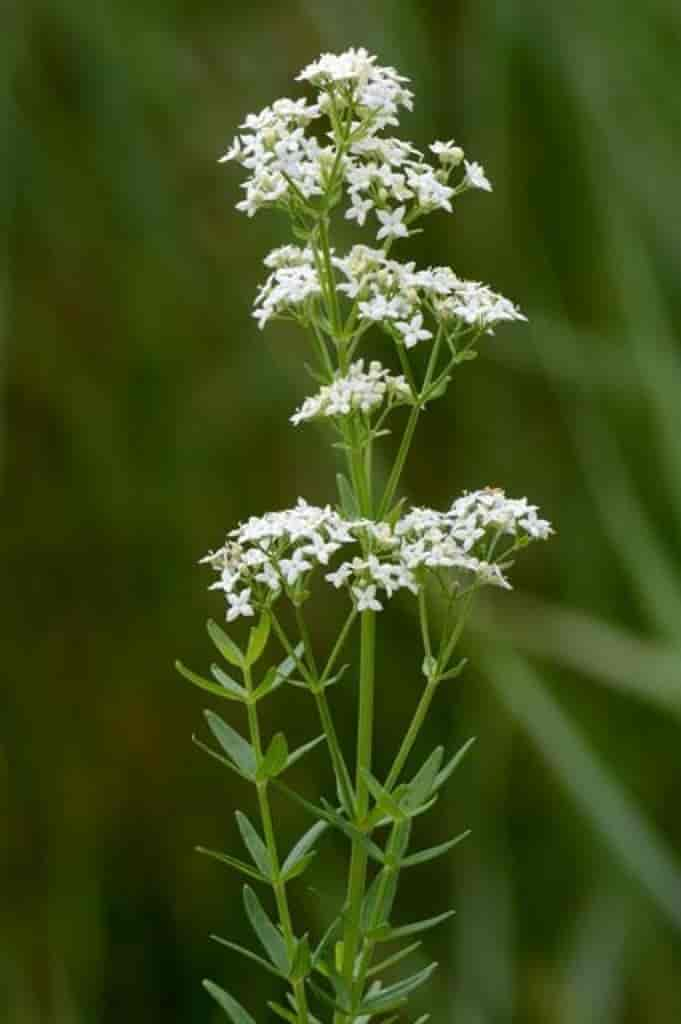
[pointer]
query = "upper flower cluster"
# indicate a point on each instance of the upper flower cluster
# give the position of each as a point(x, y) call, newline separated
point(278, 552)
point(293, 160)
point(353, 81)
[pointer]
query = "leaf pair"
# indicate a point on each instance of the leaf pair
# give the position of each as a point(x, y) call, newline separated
point(231, 652)
point(243, 758)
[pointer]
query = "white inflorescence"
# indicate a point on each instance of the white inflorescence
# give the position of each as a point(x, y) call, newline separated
point(292, 282)
point(359, 390)
point(278, 552)
point(306, 158)
point(398, 296)
point(391, 294)
point(290, 167)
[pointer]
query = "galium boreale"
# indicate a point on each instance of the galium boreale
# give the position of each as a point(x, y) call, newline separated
point(320, 160)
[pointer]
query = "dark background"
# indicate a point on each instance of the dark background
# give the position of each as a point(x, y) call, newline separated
point(144, 414)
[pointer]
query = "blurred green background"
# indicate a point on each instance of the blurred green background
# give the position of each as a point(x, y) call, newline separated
point(144, 414)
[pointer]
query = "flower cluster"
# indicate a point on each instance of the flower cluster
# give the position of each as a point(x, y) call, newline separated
point(384, 291)
point(292, 282)
point(490, 509)
point(281, 157)
point(398, 296)
point(353, 81)
point(359, 389)
point(278, 552)
point(290, 167)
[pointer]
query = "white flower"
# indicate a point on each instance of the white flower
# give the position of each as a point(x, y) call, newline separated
point(239, 605)
point(295, 567)
point(475, 176)
point(359, 209)
point(292, 282)
point(392, 223)
point(431, 193)
point(476, 304)
point(413, 331)
point(366, 599)
point(341, 576)
point(233, 152)
point(448, 153)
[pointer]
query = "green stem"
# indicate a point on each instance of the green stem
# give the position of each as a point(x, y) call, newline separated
point(338, 646)
point(307, 643)
point(412, 732)
point(395, 849)
point(278, 884)
point(400, 459)
point(315, 684)
point(334, 306)
point(358, 861)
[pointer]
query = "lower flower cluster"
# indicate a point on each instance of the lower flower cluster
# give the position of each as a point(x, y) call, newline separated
point(279, 552)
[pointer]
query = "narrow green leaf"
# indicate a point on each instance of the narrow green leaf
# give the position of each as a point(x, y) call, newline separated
point(232, 743)
point(423, 808)
point(383, 798)
point(304, 845)
point(299, 868)
point(271, 681)
point(394, 995)
point(388, 934)
point(218, 757)
point(454, 763)
point(254, 845)
point(353, 833)
point(456, 671)
point(326, 998)
point(282, 1012)
point(348, 502)
point(421, 786)
point(249, 954)
point(275, 759)
point(434, 851)
point(258, 638)
point(229, 684)
point(226, 646)
point(326, 939)
point(390, 961)
point(302, 962)
point(269, 936)
point(313, 809)
point(238, 865)
point(205, 684)
point(423, 1018)
point(395, 512)
point(299, 752)
point(287, 666)
point(385, 886)
point(234, 1010)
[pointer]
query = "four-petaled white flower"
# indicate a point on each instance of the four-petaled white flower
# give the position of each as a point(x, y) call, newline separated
point(392, 221)
point(359, 209)
point(413, 331)
point(366, 599)
point(448, 153)
point(239, 604)
point(476, 177)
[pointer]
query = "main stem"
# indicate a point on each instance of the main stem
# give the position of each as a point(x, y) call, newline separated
point(365, 715)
